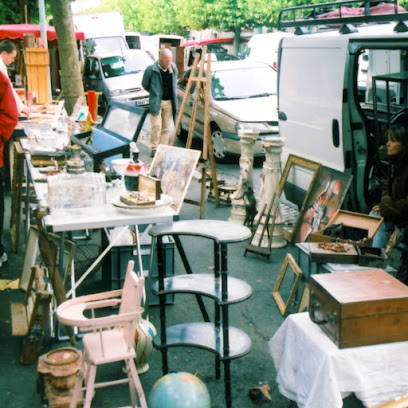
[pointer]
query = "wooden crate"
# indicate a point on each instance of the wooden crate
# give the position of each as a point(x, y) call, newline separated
point(360, 308)
point(363, 224)
point(38, 73)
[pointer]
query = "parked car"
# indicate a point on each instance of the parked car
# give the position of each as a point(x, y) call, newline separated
point(118, 76)
point(243, 96)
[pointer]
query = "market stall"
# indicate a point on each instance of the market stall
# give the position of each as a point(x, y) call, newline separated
point(34, 61)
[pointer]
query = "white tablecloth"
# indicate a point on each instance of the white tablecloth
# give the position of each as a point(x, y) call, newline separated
point(315, 373)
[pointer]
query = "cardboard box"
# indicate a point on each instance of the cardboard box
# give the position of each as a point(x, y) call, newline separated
point(359, 228)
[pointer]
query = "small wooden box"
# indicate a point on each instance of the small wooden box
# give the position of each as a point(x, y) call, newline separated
point(150, 186)
point(374, 257)
point(361, 226)
point(360, 308)
point(321, 255)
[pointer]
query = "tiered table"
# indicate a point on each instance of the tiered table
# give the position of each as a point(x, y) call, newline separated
point(225, 341)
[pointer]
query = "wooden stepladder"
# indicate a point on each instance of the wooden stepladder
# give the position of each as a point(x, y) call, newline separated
point(201, 95)
point(29, 318)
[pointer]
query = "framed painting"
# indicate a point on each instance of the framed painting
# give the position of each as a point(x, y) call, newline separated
point(174, 167)
point(298, 178)
point(287, 284)
point(326, 197)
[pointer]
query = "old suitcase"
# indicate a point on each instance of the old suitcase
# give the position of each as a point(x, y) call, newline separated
point(358, 308)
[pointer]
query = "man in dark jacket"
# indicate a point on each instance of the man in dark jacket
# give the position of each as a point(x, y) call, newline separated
point(160, 80)
point(8, 121)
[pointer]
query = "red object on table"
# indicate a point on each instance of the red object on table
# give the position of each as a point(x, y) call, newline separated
point(92, 104)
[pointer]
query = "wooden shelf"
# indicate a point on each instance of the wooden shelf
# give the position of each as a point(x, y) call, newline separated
point(206, 336)
point(206, 285)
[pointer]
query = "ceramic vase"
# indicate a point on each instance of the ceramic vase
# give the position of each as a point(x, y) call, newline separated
point(144, 344)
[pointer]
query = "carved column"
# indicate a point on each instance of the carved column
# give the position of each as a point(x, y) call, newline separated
point(270, 186)
point(246, 163)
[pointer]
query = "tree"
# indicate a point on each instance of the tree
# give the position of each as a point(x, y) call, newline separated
point(14, 11)
point(71, 81)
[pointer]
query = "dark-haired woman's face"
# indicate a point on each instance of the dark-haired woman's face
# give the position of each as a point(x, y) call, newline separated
point(393, 147)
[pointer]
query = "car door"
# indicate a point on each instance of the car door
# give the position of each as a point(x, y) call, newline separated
point(310, 97)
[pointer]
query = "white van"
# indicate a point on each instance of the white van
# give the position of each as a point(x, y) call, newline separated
point(264, 47)
point(339, 89)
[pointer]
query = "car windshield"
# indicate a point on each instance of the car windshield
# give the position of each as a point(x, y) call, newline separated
point(137, 62)
point(125, 65)
point(243, 83)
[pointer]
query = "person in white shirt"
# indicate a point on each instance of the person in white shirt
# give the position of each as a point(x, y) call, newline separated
point(8, 53)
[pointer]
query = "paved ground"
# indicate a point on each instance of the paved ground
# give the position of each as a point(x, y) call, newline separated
point(258, 316)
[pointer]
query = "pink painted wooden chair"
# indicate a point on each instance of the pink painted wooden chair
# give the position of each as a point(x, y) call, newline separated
point(111, 337)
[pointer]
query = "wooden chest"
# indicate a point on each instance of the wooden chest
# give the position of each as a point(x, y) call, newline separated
point(360, 307)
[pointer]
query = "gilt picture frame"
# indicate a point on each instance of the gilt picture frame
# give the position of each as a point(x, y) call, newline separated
point(289, 263)
point(297, 167)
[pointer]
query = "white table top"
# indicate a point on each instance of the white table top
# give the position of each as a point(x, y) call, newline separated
point(104, 217)
point(94, 217)
point(315, 373)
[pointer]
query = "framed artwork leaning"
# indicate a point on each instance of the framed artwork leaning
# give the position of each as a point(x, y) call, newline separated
point(297, 171)
point(174, 167)
point(326, 197)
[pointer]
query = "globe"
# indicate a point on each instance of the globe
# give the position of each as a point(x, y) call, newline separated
point(179, 390)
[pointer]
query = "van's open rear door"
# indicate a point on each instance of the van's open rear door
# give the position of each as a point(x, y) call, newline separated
point(310, 99)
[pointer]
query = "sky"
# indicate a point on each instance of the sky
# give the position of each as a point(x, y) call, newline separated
point(80, 5)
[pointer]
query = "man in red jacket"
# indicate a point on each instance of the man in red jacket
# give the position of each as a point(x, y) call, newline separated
point(8, 121)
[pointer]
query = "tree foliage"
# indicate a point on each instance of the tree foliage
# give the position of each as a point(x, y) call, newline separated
point(177, 16)
point(15, 11)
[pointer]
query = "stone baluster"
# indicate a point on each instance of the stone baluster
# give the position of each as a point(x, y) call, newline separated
point(246, 162)
point(270, 186)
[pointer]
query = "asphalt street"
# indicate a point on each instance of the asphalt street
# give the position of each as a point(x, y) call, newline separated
point(258, 316)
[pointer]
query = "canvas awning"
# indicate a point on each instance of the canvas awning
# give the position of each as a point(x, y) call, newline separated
point(15, 31)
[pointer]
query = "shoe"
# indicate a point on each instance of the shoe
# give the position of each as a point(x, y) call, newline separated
point(3, 259)
point(152, 153)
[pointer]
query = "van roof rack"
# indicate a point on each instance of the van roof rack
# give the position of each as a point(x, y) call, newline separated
point(314, 14)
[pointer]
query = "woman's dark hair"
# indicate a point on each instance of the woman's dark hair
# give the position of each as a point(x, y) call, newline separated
point(398, 133)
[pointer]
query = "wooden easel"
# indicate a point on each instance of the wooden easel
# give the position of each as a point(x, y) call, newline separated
point(202, 92)
point(269, 212)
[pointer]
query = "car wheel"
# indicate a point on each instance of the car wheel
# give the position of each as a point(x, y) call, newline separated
point(218, 144)
point(182, 134)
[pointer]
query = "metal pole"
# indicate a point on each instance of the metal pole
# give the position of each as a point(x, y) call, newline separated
point(43, 23)
point(43, 29)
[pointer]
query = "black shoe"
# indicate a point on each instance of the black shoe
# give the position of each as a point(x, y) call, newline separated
point(153, 152)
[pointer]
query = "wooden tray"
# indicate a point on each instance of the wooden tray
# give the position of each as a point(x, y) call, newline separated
point(321, 255)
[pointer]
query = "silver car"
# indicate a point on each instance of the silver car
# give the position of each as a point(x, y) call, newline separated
point(243, 96)
point(118, 76)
